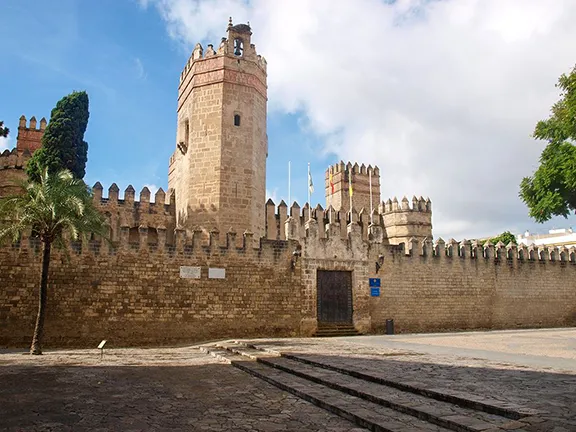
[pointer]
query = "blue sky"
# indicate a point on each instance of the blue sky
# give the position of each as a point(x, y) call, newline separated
point(425, 90)
point(121, 54)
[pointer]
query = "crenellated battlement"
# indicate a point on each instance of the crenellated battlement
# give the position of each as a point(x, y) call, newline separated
point(364, 181)
point(236, 45)
point(499, 252)
point(398, 223)
point(197, 245)
point(30, 134)
point(202, 244)
point(12, 159)
point(417, 205)
point(12, 169)
point(362, 169)
point(136, 214)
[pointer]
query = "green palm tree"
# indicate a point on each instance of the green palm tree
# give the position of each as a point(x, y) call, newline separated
point(58, 208)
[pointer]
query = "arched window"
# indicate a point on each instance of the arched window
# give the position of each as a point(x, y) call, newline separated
point(236, 119)
point(238, 47)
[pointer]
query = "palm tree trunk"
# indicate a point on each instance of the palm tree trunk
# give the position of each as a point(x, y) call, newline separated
point(36, 347)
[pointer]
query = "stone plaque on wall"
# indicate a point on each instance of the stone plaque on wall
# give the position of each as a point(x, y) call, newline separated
point(187, 272)
point(216, 273)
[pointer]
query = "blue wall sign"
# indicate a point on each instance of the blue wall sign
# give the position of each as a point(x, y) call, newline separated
point(374, 282)
point(375, 292)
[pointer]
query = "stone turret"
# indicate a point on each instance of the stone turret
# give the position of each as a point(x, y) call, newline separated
point(338, 179)
point(218, 169)
point(403, 221)
point(13, 162)
point(30, 137)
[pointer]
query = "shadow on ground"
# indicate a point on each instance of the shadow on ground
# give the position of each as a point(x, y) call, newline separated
point(218, 397)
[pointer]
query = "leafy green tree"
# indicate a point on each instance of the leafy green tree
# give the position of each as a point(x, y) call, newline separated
point(57, 208)
point(4, 131)
point(551, 191)
point(63, 145)
point(506, 237)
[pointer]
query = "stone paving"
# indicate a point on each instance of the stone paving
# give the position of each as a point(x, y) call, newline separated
point(184, 389)
point(178, 389)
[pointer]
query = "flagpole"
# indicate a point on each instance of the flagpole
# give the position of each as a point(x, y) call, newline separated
point(330, 204)
point(309, 199)
point(289, 203)
point(371, 208)
point(350, 190)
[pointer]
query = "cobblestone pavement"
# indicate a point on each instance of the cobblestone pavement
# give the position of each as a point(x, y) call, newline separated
point(146, 390)
point(184, 389)
point(544, 388)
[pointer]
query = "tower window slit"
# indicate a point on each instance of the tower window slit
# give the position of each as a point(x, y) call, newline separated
point(236, 119)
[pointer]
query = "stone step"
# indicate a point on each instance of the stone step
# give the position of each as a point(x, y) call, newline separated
point(463, 399)
point(335, 325)
point(360, 412)
point(335, 333)
point(244, 350)
point(440, 413)
point(332, 330)
point(357, 410)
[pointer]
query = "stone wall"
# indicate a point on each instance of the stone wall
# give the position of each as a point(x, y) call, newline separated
point(443, 287)
point(362, 177)
point(12, 170)
point(132, 293)
point(475, 288)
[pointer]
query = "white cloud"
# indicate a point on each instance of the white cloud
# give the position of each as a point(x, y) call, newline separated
point(273, 196)
point(442, 95)
point(140, 72)
point(5, 144)
point(153, 189)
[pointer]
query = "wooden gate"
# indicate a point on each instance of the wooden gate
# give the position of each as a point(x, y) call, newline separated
point(334, 296)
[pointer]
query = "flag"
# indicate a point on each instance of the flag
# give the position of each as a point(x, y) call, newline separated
point(350, 188)
point(331, 179)
point(310, 185)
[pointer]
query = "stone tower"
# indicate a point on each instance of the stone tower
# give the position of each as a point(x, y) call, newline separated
point(218, 170)
point(338, 196)
point(30, 138)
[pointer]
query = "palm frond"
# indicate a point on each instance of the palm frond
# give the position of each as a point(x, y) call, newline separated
point(58, 207)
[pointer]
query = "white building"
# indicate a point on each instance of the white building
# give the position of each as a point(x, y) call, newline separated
point(555, 237)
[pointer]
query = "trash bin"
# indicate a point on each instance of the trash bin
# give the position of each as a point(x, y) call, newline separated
point(389, 326)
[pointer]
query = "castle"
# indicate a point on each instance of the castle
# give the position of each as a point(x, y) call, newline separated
point(212, 258)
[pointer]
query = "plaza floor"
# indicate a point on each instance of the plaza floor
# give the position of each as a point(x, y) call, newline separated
point(184, 389)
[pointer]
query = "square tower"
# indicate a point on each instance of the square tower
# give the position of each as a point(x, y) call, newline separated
point(337, 186)
point(218, 170)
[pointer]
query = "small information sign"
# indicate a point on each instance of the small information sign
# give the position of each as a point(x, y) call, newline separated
point(374, 282)
point(187, 272)
point(216, 273)
point(375, 292)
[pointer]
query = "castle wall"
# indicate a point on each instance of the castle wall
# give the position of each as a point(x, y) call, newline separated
point(135, 214)
point(30, 136)
point(133, 294)
point(438, 293)
point(13, 163)
point(12, 170)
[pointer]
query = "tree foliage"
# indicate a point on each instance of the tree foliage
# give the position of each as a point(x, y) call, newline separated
point(506, 237)
point(4, 131)
point(57, 208)
point(63, 145)
point(551, 191)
